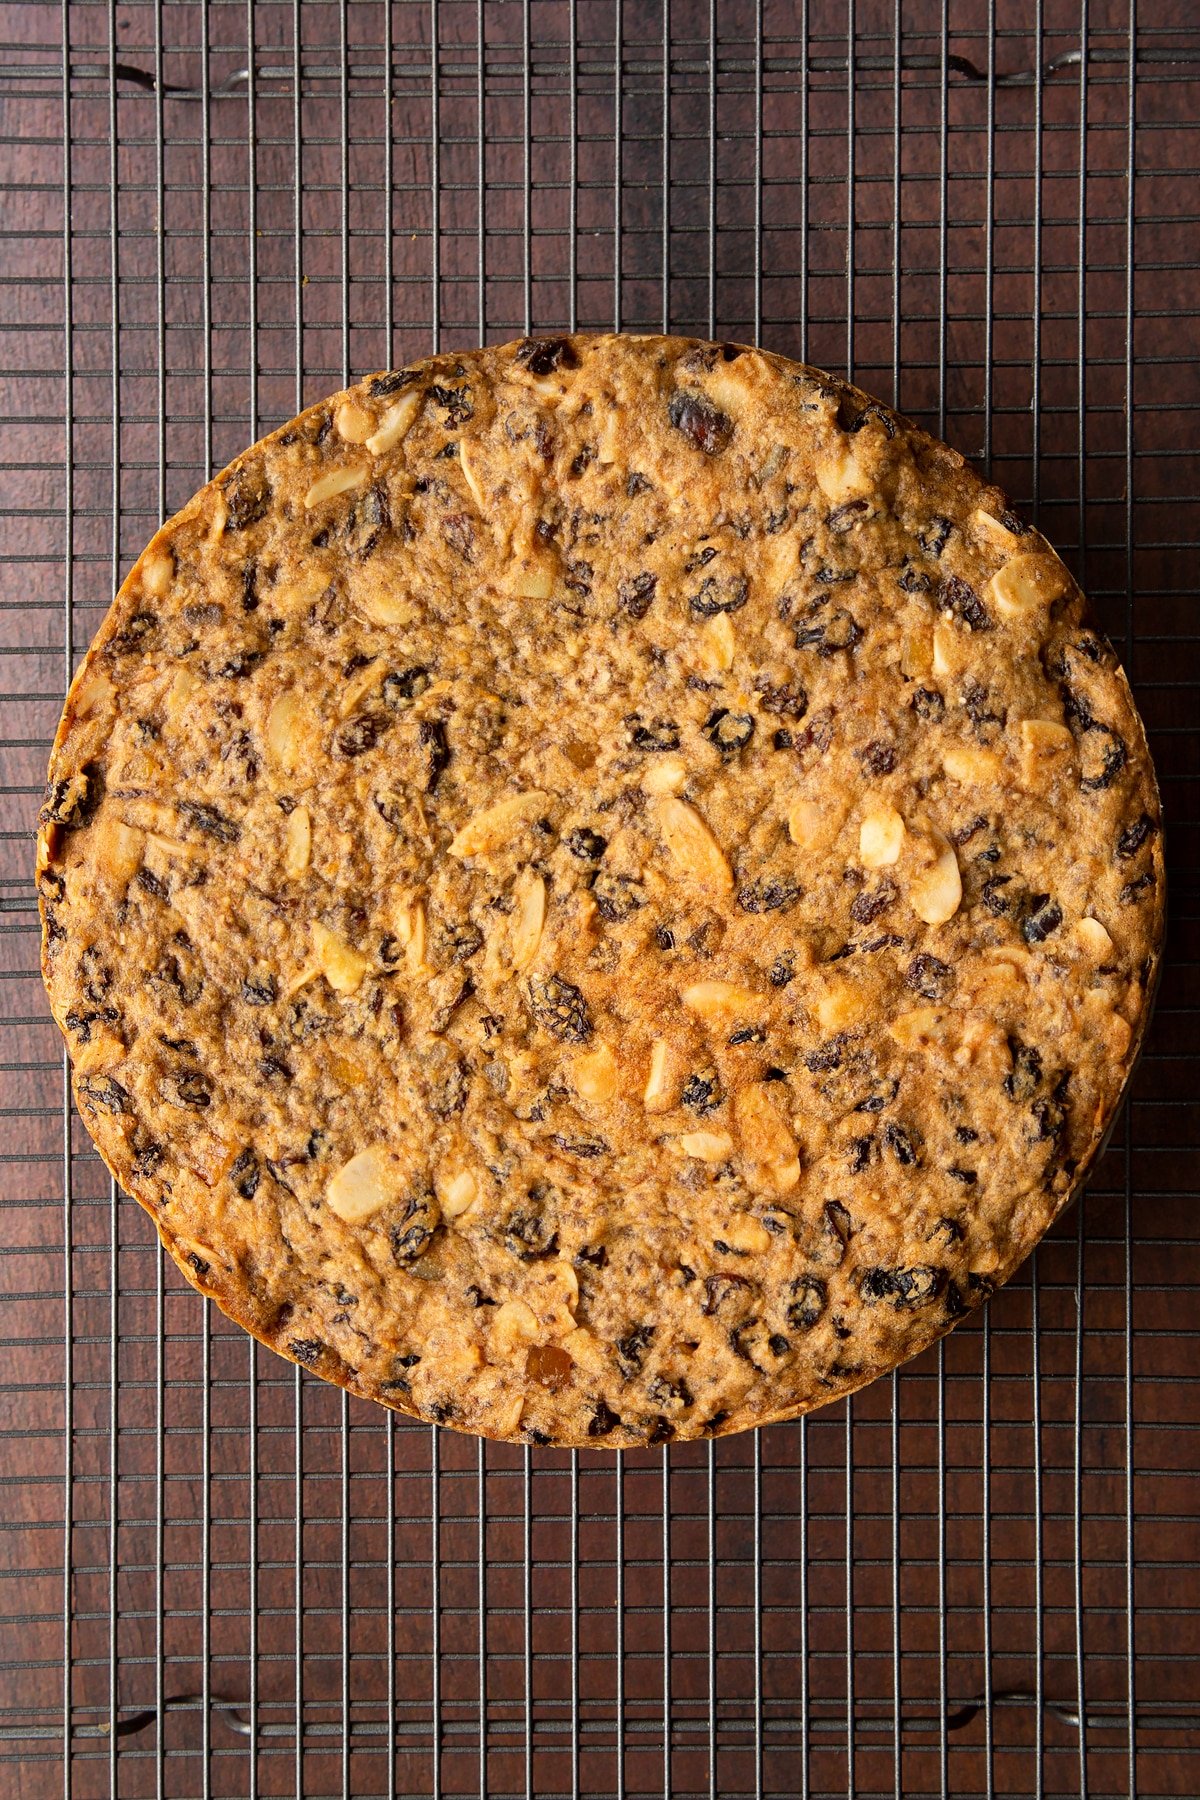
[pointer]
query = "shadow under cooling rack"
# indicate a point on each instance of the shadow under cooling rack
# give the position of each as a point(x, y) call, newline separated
point(592, 69)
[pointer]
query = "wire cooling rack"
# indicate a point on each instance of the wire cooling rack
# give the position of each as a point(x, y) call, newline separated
point(217, 1575)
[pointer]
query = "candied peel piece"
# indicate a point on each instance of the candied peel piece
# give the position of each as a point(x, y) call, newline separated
point(916, 653)
point(550, 1366)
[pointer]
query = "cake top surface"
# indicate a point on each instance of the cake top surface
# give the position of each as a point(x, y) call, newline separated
point(600, 890)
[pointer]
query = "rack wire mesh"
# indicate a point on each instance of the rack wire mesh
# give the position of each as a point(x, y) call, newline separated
point(219, 1576)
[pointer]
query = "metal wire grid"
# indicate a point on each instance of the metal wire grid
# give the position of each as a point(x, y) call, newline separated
point(222, 1577)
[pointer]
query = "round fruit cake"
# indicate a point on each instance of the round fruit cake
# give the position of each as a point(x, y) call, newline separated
point(600, 890)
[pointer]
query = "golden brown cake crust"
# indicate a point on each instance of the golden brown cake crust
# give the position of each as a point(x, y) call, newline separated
point(600, 890)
